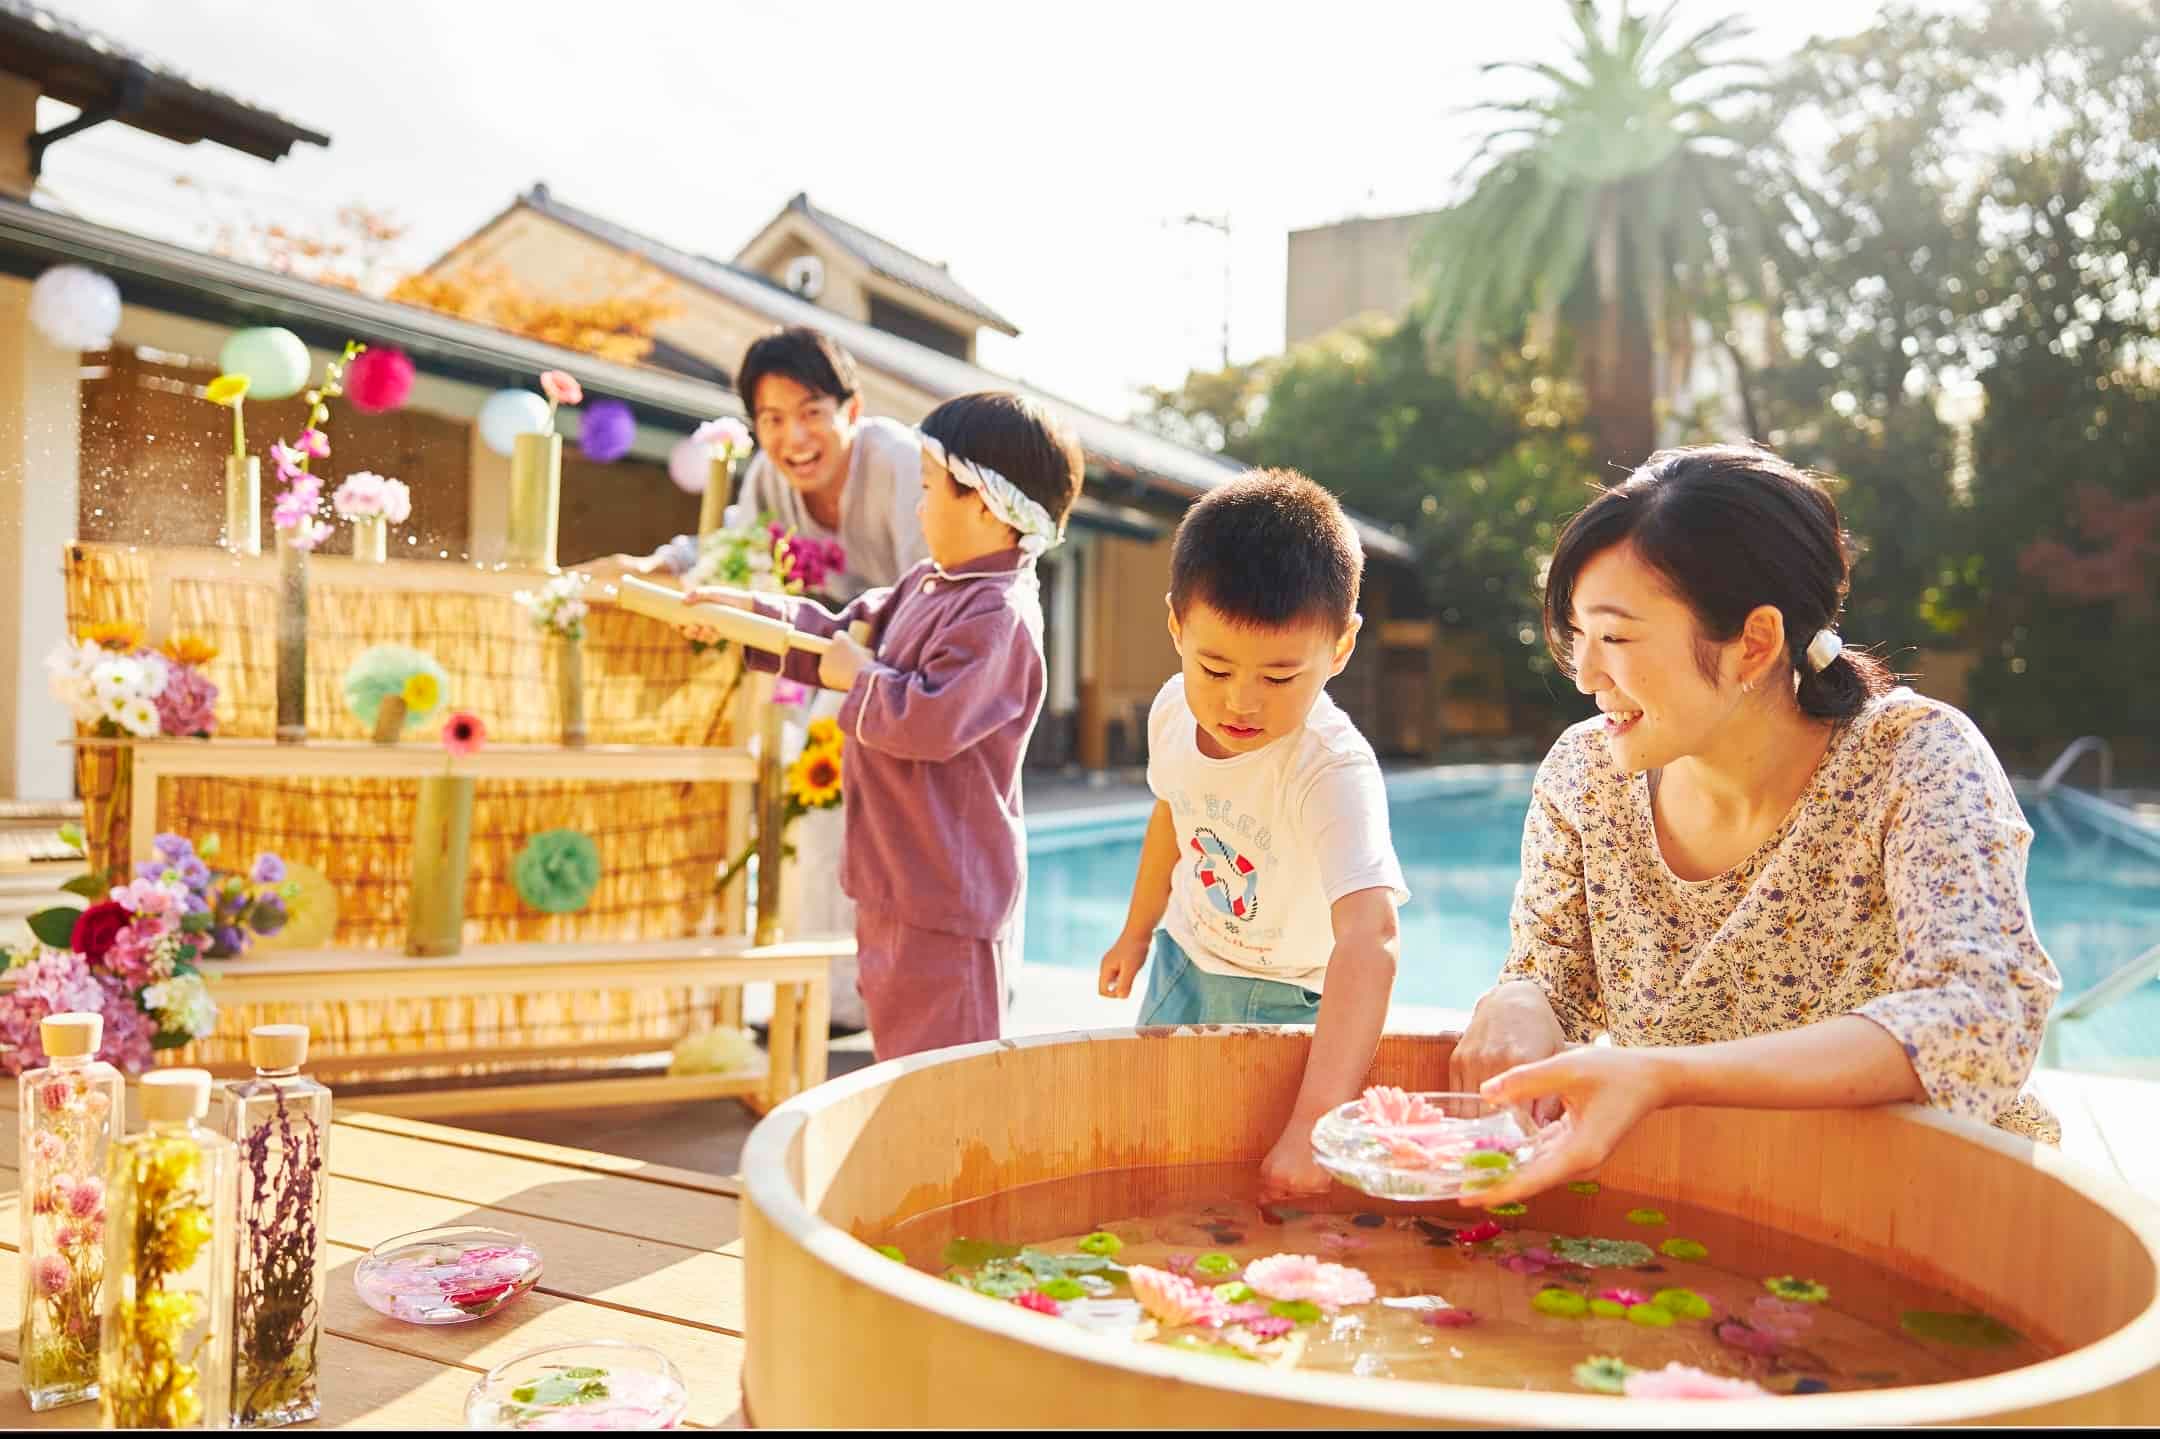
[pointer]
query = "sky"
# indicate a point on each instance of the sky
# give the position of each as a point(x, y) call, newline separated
point(1046, 154)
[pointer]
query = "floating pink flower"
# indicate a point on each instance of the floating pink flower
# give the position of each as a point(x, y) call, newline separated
point(1040, 1302)
point(1244, 1313)
point(1629, 1297)
point(1682, 1381)
point(1450, 1318)
point(1179, 1263)
point(1737, 1334)
point(1171, 1299)
point(1301, 1276)
point(1384, 1104)
point(1407, 1153)
point(1479, 1232)
point(51, 1274)
point(1273, 1327)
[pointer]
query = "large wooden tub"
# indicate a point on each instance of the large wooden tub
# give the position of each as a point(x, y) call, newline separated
point(839, 1335)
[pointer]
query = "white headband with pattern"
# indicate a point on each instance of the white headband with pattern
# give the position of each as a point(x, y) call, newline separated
point(1038, 532)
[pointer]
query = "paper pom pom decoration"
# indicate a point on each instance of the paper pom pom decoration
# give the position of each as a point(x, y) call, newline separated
point(607, 431)
point(723, 1050)
point(274, 360)
point(311, 915)
point(387, 670)
point(378, 380)
point(506, 414)
point(557, 871)
point(75, 307)
point(689, 465)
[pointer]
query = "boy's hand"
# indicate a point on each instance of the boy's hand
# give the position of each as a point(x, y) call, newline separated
point(713, 595)
point(1289, 1169)
point(839, 666)
point(1122, 965)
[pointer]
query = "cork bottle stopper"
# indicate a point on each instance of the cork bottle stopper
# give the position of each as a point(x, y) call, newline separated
point(71, 1036)
point(175, 1096)
point(278, 1046)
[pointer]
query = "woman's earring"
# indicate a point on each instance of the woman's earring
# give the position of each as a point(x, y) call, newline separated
point(1747, 687)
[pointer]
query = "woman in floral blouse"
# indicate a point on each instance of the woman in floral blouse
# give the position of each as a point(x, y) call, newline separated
point(1774, 880)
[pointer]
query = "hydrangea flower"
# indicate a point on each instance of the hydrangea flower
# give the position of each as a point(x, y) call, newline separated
point(1302, 1276)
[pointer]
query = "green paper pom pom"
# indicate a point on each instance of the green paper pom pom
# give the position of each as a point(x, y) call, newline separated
point(1684, 1249)
point(1215, 1266)
point(557, 871)
point(1237, 1291)
point(1101, 1242)
point(1297, 1311)
point(1684, 1302)
point(380, 672)
point(1646, 1216)
point(1062, 1290)
point(1491, 1159)
point(1608, 1308)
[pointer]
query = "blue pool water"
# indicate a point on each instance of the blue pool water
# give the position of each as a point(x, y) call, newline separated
point(2096, 899)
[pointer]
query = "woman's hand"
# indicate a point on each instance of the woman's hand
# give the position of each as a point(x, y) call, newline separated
point(1603, 1093)
point(1511, 1025)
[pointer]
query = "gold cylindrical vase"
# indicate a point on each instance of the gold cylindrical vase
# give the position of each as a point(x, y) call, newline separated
point(106, 776)
point(713, 506)
point(570, 690)
point(371, 539)
point(772, 820)
point(441, 861)
point(535, 500)
point(291, 642)
point(243, 504)
point(390, 719)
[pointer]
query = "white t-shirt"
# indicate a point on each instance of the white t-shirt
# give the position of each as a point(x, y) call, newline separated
point(1268, 841)
point(879, 527)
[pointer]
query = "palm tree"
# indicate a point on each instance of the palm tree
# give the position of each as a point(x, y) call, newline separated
point(1622, 204)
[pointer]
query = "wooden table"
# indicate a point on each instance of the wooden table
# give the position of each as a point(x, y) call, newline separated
point(633, 1251)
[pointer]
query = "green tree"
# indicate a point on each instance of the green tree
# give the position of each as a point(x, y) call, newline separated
point(1622, 203)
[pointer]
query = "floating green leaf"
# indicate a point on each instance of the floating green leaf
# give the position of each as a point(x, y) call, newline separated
point(1601, 1253)
point(1584, 1186)
point(568, 1386)
point(1968, 1331)
point(1053, 1266)
point(1646, 1216)
point(964, 1253)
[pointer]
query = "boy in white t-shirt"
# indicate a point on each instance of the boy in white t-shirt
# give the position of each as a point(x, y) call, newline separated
point(1269, 845)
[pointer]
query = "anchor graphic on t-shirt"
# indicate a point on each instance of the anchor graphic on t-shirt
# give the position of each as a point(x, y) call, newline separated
point(1219, 866)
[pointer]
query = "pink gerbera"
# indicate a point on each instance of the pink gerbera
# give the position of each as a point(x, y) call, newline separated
point(1629, 1297)
point(1683, 1381)
point(1302, 1276)
point(1171, 1299)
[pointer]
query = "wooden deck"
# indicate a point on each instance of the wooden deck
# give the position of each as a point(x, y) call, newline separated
point(633, 1251)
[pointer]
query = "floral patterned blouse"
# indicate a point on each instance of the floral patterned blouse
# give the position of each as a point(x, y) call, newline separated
point(1895, 889)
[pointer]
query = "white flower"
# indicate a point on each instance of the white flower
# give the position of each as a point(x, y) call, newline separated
point(182, 1005)
point(120, 678)
point(69, 668)
point(139, 717)
point(397, 502)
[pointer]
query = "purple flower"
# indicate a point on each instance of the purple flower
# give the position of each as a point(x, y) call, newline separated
point(269, 915)
point(228, 941)
point(194, 873)
point(269, 869)
point(173, 847)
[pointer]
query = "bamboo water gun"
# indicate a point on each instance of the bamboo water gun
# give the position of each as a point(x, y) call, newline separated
point(745, 627)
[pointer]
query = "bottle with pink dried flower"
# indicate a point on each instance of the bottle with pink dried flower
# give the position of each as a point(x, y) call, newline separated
point(279, 1119)
point(70, 1112)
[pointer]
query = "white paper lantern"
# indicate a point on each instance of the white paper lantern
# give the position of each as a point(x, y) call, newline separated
point(508, 414)
point(75, 307)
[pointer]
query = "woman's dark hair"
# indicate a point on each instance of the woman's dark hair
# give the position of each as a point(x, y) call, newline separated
point(1730, 527)
point(1020, 439)
point(806, 356)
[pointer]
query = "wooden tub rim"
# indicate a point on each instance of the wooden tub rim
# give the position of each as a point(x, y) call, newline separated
point(2120, 1357)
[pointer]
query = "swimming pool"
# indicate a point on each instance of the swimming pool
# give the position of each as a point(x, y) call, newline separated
point(1458, 832)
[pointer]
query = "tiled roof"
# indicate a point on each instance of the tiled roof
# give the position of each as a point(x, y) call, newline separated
point(1113, 446)
point(898, 265)
point(80, 67)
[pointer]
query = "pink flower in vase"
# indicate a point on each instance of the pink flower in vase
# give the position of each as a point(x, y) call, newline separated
point(561, 388)
point(287, 459)
point(87, 1198)
point(788, 692)
point(46, 1145)
point(56, 1095)
point(314, 444)
point(463, 734)
point(1683, 1381)
point(188, 703)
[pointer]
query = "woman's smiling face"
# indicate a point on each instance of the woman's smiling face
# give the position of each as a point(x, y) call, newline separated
point(1637, 650)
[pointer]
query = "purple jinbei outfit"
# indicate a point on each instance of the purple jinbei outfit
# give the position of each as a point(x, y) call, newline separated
point(936, 858)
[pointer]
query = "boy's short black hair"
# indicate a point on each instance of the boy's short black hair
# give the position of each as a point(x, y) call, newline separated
point(806, 356)
point(1020, 439)
point(1267, 550)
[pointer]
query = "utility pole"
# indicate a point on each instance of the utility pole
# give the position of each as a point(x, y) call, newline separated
point(1221, 225)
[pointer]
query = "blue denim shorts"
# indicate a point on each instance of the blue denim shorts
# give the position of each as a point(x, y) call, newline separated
point(1181, 992)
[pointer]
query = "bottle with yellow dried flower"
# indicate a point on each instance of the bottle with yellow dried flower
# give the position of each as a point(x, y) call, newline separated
point(165, 1361)
point(70, 1111)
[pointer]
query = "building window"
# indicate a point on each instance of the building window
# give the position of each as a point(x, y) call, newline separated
point(909, 324)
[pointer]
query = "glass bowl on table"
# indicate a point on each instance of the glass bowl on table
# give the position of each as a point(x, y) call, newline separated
point(599, 1384)
point(447, 1276)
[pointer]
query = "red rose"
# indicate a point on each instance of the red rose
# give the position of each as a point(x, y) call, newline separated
point(96, 928)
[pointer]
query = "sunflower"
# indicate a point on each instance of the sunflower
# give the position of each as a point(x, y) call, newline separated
point(189, 650)
point(813, 781)
point(824, 734)
point(119, 636)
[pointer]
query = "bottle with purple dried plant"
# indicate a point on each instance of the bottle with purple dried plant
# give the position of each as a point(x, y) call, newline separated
point(70, 1112)
point(279, 1119)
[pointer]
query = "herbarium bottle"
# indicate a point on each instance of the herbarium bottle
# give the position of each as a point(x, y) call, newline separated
point(279, 1120)
point(166, 1357)
point(70, 1112)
